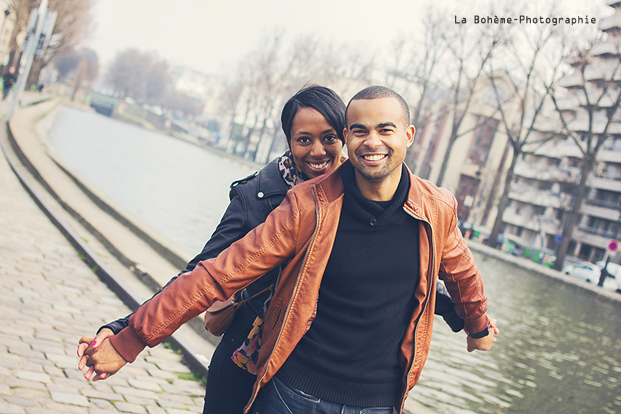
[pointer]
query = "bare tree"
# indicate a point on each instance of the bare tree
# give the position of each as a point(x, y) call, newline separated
point(595, 86)
point(138, 75)
point(21, 9)
point(532, 60)
point(73, 26)
point(470, 47)
point(413, 63)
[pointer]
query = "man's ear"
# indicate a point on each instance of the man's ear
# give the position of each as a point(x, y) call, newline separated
point(345, 135)
point(410, 132)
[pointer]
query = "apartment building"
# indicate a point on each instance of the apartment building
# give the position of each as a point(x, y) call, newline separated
point(546, 180)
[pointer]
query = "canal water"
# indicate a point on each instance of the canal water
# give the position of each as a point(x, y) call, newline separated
point(559, 351)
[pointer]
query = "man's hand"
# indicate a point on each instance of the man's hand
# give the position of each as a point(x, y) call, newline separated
point(485, 343)
point(86, 341)
point(101, 358)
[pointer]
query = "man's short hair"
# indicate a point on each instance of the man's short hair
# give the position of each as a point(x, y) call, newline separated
point(380, 92)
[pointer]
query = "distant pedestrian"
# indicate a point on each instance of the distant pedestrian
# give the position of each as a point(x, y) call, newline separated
point(604, 273)
point(8, 79)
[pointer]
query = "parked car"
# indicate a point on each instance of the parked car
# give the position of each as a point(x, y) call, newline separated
point(584, 270)
point(591, 273)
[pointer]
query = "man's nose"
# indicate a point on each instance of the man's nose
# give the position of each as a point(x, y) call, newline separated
point(373, 139)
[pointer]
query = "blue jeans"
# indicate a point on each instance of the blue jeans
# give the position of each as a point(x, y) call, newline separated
point(277, 398)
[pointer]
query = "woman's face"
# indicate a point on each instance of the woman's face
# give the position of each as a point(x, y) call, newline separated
point(315, 145)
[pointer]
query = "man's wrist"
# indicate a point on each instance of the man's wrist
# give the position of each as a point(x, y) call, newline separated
point(482, 334)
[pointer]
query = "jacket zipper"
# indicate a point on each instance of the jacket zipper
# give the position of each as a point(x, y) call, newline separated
point(431, 250)
point(310, 246)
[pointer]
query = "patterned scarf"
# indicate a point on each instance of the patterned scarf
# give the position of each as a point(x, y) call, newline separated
point(289, 171)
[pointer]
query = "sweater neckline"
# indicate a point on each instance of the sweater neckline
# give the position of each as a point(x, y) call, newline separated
point(366, 209)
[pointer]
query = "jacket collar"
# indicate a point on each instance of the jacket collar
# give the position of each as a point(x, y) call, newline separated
point(332, 187)
point(270, 181)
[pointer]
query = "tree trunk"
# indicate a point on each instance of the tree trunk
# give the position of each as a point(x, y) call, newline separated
point(503, 202)
point(447, 155)
point(574, 214)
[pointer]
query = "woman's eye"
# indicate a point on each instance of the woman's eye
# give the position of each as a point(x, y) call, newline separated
point(303, 140)
point(330, 138)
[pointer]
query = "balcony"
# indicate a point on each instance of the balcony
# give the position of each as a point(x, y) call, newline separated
point(573, 80)
point(593, 209)
point(536, 198)
point(605, 183)
point(611, 205)
point(611, 22)
point(604, 49)
point(520, 220)
point(593, 239)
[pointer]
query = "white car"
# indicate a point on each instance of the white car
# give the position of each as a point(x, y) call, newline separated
point(591, 273)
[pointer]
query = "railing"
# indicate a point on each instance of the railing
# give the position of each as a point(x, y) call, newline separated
point(598, 232)
point(615, 205)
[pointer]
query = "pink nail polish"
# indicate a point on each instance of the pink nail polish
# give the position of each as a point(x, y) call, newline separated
point(93, 343)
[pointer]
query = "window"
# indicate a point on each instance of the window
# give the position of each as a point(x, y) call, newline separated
point(483, 138)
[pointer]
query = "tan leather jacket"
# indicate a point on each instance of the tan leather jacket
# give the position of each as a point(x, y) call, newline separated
point(302, 229)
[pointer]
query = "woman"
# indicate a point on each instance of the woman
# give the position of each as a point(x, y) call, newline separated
point(313, 121)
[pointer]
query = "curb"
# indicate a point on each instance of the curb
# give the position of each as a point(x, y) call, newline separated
point(193, 358)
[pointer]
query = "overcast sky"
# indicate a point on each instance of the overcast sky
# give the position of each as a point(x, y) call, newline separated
point(211, 36)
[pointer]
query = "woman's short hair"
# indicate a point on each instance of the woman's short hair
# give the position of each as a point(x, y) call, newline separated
point(323, 100)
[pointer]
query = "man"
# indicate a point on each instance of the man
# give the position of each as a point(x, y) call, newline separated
point(351, 319)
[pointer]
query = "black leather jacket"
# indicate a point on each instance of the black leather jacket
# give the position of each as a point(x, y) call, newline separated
point(252, 200)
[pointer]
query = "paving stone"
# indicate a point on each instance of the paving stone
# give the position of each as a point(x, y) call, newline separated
point(102, 410)
point(70, 398)
point(178, 411)
point(23, 402)
point(14, 383)
point(183, 399)
point(173, 366)
point(135, 392)
point(33, 376)
point(102, 404)
point(166, 403)
point(152, 409)
point(139, 401)
point(30, 393)
point(145, 385)
point(6, 408)
point(26, 352)
point(4, 389)
point(54, 407)
point(110, 396)
point(130, 408)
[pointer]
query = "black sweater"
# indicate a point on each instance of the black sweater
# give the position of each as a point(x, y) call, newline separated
point(350, 355)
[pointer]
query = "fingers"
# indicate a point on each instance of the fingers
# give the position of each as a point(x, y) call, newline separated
point(89, 373)
point(84, 343)
point(87, 346)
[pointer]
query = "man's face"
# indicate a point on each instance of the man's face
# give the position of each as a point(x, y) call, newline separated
point(377, 138)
